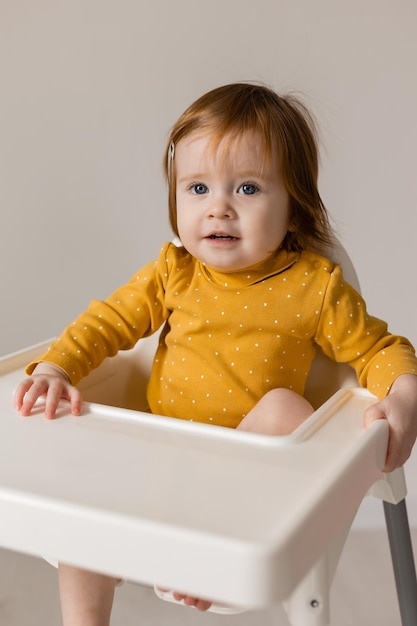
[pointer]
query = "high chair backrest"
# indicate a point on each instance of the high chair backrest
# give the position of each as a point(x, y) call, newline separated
point(326, 376)
point(126, 374)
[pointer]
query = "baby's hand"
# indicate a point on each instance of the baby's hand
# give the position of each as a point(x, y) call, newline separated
point(399, 408)
point(50, 381)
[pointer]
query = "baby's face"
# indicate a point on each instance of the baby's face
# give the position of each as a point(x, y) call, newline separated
point(232, 207)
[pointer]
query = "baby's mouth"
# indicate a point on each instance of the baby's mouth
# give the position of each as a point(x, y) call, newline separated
point(221, 236)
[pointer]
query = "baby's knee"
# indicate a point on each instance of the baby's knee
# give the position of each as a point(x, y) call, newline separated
point(281, 394)
point(286, 399)
point(278, 412)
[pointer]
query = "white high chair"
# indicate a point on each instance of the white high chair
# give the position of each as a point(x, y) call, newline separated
point(247, 520)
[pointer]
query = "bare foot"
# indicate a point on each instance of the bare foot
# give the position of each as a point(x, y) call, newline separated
point(198, 603)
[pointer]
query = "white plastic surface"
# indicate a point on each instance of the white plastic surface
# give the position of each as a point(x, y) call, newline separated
point(236, 517)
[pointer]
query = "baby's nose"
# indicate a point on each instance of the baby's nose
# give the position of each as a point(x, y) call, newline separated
point(221, 209)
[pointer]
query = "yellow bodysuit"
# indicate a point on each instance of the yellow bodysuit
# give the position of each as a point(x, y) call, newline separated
point(229, 337)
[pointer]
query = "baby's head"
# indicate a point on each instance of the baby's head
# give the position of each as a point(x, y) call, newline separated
point(283, 125)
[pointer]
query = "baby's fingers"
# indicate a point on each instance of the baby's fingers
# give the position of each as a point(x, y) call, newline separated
point(54, 395)
point(400, 441)
point(399, 450)
point(20, 393)
point(61, 390)
point(28, 393)
point(75, 399)
point(54, 388)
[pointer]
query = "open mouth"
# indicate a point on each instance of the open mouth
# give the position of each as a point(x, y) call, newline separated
point(220, 236)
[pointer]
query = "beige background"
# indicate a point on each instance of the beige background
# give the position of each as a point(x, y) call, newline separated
point(90, 88)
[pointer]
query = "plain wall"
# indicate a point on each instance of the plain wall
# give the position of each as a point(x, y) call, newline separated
point(90, 88)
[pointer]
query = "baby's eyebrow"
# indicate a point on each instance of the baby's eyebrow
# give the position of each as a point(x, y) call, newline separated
point(188, 177)
point(241, 174)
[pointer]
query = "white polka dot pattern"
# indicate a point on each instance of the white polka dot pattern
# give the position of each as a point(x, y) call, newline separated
point(231, 337)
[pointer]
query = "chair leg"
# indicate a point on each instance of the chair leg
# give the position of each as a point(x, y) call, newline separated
point(309, 603)
point(403, 561)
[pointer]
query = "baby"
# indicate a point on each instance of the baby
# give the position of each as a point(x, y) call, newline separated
point(243, 303)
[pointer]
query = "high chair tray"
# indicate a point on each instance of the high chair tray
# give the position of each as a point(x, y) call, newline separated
point(222, 514)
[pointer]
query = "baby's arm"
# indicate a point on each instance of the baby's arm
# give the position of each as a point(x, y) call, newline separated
point(52, 382)
point(399, 408)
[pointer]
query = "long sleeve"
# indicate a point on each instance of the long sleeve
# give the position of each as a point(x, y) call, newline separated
point(347, 333)
point(133, 311)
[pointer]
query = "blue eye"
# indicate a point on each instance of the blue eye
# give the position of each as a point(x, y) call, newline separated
point(199, 189)
point(248, 189)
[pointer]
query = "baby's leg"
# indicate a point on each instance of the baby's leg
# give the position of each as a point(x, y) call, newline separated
point(278, 412)
point(86, 597)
